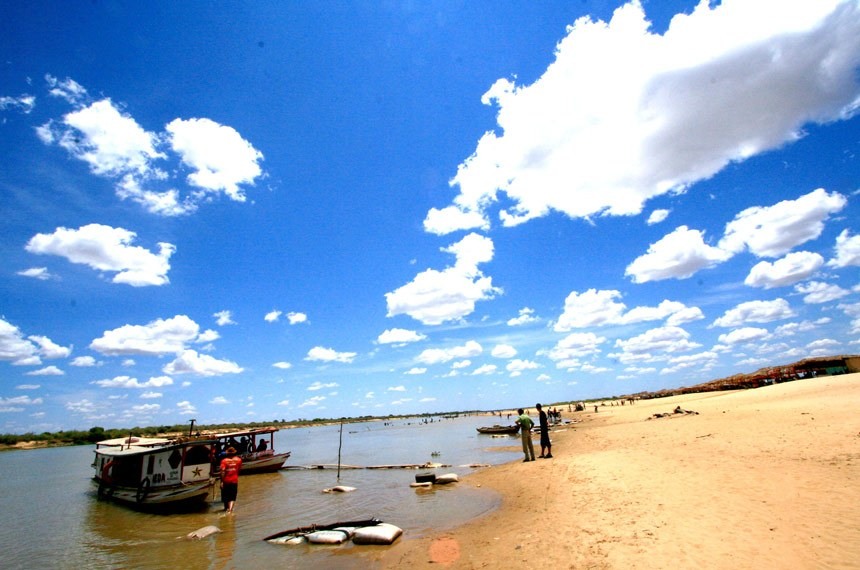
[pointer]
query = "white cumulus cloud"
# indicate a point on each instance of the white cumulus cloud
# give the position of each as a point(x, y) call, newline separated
point(223, 318)
point(27, 351)
point(111, 142)
point(129, 382)
point(847, 250)
point(84, 361)
point(503, 351)
point(617, 118)
point(439, 355)
point(399, 336)
point(446, 220)
point(755, 312)
point(108, 249)
point(323, 354)
point(526, 316)
point(435, 297)
point(773, 231)
point(191, 362)
point(816, 292)
point(601, 307)
point(46, 371)
point(40, 273)
point(517, 366)
point(657, 216)
point(220, 158)
point(159, 337)
point(794, 267)
point(664, 339)
point(741, 335)
point(677, 255)
point(295, 318)
point(114, 145)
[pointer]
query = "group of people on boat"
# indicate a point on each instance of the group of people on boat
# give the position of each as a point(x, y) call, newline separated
point(242, 446)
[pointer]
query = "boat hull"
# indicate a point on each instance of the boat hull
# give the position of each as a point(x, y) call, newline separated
point(154, 473)
point(264, 464)
point(175, 496)
point(498, 430)
point(255, 447)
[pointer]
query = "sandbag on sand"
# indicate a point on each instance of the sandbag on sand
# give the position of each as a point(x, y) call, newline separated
point(349, 530)
point(447, 478)
point(383, 533)
point(289, 540)
point(328, 537)
point(340, 489)
point(202, 532)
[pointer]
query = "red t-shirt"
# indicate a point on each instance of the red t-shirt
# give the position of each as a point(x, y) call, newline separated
point(230, 469)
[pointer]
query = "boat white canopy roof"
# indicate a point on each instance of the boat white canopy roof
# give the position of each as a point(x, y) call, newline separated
point(247, 432)
point(133, 441)
point(126, 451)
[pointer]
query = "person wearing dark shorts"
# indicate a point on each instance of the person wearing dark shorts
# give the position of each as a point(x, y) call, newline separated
point(545, 444)
point(230, 467)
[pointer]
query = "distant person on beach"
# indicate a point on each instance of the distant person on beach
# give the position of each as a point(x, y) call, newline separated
point(230, 467)
point(526, 424)
point(545, 445)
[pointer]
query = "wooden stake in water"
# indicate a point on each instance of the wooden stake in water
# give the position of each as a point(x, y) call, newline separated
point(339, 446)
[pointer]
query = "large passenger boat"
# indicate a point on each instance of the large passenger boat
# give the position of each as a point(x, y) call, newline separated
point(155, 473)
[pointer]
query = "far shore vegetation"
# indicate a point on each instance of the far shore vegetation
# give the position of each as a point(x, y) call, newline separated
point(803, 369)
point(96, 434)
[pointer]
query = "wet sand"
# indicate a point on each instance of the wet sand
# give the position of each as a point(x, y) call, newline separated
point(764, 478)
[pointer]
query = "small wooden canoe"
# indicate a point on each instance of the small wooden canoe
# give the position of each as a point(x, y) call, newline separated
point(497, 429)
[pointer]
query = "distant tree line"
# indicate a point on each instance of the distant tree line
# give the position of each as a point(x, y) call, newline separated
point(96, 434)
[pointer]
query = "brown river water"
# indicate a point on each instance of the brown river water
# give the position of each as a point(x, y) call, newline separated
point(54, 520)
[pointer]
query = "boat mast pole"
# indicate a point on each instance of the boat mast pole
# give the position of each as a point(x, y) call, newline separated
point(191, 428)
point(339, 447)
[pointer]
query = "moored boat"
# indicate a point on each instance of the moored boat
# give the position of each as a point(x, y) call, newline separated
point(497, 429)
point(256, 448)
point(154, 473)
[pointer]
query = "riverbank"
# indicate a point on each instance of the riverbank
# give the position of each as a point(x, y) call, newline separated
point(24, 445)
point(757, 478)
point(65, 439)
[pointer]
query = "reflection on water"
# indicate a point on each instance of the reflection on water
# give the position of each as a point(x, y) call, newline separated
point(59, 523)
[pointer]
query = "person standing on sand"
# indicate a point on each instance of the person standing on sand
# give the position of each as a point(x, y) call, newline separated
point(526, 424)
point(230, 467)
point(545, 445)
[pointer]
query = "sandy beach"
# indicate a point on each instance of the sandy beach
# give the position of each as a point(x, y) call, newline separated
point(764, 478)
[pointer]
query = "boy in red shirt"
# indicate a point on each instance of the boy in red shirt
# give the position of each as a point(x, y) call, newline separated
point(230, 466)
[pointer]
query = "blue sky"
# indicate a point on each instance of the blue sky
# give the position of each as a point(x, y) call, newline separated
point(248, 212)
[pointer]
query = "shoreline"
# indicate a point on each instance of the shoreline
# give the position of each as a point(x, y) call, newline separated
point(42, 443)
point(768, 477)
